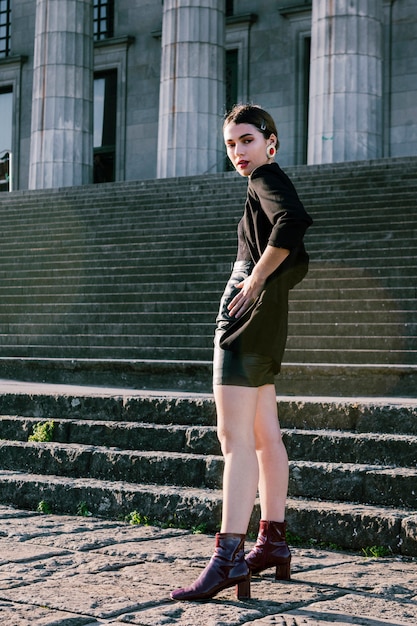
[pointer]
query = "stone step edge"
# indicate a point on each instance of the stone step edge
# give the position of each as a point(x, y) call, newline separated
point(155, 456)
point(168, 365)
point(381, 164)
point(336, 447)
point(297, 352)
point(318, 175)
point(398, 331)
point(348, 525)
point(130, 375)
point(365, 483)
point(103, 208)
point(22, 423)
point(390, 407)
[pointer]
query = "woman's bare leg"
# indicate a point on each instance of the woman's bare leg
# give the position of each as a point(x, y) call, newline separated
point(236, 411)
point(272, 457)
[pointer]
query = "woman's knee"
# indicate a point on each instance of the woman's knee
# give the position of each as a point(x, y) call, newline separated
point(268, 436)
point(236, 410)
point(232, 440)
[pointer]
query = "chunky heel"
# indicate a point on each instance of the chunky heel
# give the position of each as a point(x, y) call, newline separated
point(243, 589)
point(283, 571)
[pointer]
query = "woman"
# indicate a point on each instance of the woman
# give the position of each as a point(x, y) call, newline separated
point(249, 344)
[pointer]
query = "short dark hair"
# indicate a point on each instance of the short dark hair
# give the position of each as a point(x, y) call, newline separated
point(255, 115)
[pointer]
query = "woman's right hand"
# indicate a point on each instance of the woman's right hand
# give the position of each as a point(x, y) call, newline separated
point(250, 289)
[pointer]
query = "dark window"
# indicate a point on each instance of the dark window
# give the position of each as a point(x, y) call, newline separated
point(306, 92)
point(231, 78)
point(5, 27)
point(229, 8)
point(232, 57)
point(103, 19)
point(105, 108)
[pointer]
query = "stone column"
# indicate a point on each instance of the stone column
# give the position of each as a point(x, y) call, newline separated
point(61, 150)
point(345, 118)
point(192, 88)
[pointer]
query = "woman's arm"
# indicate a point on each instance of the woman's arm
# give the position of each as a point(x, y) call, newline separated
point(252, 286)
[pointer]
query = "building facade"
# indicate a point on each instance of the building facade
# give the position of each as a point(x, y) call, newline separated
point(103, 90)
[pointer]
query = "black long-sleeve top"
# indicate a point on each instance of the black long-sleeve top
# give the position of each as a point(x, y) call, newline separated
point(274, 214)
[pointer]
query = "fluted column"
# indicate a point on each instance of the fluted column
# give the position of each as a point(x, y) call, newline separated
point(345, 119)
point(192, 87)
point(61, 150)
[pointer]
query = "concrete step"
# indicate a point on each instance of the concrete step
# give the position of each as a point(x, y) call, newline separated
point(108, 203)
point(78, 461)
point(307, 302)
point(355, 255)
point(392, 415)
point(347, 525)
point(298, 378)
point(197, 335)
point(185, 274)
point(307, 305)
point(329, 355)
point(198, 330)
point(115, 195)
point(359, 294)
point(100, 225)
point(347, 348)
point(368, 175)
point(402, 331)
point(142, 292)
point(107, 231)
point(122, 313)
point(45, 350)
point(353, 460)
point(355, 339)
point(106, 219)
point(320, 445)
point(391, 354)
point(122, 317)
point(57, 265)
point(362, 483)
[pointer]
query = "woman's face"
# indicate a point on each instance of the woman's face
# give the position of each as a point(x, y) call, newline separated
point(246, 147)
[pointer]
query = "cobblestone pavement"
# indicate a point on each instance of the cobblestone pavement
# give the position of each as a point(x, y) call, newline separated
point(84, 571)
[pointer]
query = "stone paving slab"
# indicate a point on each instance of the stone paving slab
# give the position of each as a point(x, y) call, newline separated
point(85, 571)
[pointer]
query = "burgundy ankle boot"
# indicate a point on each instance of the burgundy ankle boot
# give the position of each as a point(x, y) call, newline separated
point(271, 550)
point(227, 567)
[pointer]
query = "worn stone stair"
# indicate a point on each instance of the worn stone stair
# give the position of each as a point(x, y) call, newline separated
point(132, 272)
point(353, 465)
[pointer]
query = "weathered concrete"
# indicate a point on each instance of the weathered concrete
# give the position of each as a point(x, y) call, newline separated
point(352, 480)
point(294, 379)
point(85, 571)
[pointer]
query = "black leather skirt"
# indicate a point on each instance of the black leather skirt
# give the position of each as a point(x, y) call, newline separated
point(230, 367)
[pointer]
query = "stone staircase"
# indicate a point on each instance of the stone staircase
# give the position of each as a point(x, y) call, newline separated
point(117, 285)
point(132, 273)
point(353, 470)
